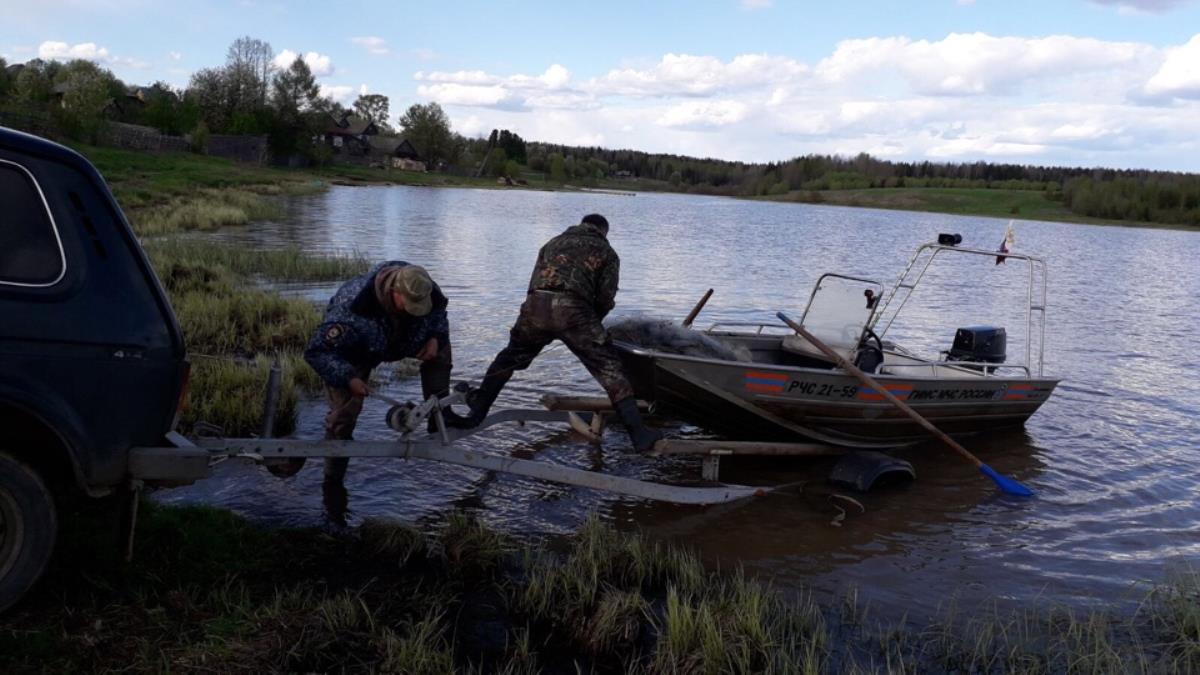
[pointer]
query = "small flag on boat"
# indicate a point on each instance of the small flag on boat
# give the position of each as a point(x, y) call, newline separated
point(1006, 244)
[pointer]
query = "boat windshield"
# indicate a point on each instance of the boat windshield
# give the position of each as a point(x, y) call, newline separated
point(840, 309)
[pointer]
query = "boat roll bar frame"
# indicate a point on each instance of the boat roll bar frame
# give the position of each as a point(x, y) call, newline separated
point(908, 281)
point(1035, 300)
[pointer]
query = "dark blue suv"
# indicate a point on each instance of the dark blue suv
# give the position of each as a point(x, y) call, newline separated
point(92, 361)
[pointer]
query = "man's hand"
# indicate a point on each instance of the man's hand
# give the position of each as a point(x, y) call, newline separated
point(429, 351)
point(359, 388)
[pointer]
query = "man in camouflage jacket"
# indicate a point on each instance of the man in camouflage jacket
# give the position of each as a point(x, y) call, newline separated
point(572, 288)
point(395, 311)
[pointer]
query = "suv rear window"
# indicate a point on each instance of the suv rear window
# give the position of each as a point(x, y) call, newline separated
point(30, 251)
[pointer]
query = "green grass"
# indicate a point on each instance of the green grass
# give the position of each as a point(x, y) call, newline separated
point(1020, 204)
point(206, 209)
point(231, 393)
point(209, 592)
point(235, 330)
point(174, 254)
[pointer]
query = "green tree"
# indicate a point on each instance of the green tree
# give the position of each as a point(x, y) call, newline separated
point(35, 82)
point(5, 79)
point(86, 90)
point(167, 111)
point(512, 169)
point(558, 167)
point(299, 109)
point(495, 162)
point(514, 145)
point(373, 107)
point(208, 92)
point(427, 127)
point(295, 90)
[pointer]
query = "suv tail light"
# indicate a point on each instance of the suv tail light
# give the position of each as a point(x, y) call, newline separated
point(181, 404)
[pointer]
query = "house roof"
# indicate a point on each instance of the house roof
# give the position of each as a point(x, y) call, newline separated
point(384, 144)
point(352, 125)
point(396, 147)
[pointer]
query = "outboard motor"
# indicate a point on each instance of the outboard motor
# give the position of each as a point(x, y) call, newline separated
point(980, 344)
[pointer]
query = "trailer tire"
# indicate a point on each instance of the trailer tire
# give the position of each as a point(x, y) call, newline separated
point(28, 529)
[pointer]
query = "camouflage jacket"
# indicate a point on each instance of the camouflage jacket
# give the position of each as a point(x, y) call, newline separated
point(356, 333)
point(580, 262)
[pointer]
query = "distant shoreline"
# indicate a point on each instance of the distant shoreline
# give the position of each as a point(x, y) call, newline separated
point(144, 179)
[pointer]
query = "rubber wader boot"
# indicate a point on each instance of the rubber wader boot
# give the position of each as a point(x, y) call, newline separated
point(452, 419)
point(481, 401)
point(643, 438)
point(335, 469)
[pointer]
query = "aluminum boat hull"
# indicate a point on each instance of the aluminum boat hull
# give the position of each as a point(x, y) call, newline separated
point(770, 400)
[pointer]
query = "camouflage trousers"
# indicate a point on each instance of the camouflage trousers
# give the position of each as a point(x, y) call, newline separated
point(546, 316)
point(345, 407)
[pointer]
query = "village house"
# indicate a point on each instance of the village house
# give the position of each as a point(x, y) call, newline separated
point(398, 152)
point(350, 135)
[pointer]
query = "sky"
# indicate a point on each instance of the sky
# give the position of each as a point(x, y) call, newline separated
point(1112, 83)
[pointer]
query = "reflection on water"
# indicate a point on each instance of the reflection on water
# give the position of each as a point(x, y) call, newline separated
point(1111, 455)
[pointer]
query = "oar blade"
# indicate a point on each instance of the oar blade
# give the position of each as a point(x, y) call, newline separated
point(1006, 484)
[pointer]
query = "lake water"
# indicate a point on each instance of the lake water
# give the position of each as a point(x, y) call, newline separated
point(1112, 456)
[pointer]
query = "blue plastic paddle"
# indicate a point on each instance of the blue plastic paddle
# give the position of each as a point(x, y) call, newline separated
point(1006, 484)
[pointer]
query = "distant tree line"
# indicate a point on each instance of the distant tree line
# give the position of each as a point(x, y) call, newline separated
point(1118, 194)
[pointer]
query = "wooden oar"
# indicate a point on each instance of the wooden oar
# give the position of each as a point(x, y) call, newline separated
point(1008, 485)
point(687, 323)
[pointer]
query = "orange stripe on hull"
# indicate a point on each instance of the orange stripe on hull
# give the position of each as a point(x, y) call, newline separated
point(754, 386)
point(769, 376)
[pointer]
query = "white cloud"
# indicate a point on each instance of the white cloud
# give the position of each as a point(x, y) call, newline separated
point(550, 89)
point(374, 45)
point(687, 75)
point(458, 77)
point(757, 4)
point(703, 114)
point(174, 56)
point(1180, 72)
point(61, 51)
point(470, 126)
point(976, 63)
point(1141, 6)
point(1054, 100)
point(342, 93)
point(450, 93)
point(981, 146)
point(320, 64)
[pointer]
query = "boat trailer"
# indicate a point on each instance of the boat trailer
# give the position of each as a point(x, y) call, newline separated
point(188, 460)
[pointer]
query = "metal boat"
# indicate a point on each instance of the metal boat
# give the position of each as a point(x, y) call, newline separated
point(781, 387)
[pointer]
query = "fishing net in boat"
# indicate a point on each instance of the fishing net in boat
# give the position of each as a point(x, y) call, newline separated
point(668, 336)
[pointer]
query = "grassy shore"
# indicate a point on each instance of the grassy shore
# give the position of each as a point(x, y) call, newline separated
point(174, 192)
point(235, 330)
point(208, 592)
point(995, 203)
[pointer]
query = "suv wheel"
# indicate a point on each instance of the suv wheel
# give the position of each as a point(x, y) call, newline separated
point(28, 527)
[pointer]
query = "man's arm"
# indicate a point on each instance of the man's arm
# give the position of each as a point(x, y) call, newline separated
point(327, 353)
point(437, 321)
point(606, 292)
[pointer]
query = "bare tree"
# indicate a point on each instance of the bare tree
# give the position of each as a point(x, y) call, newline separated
point(248, 62)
